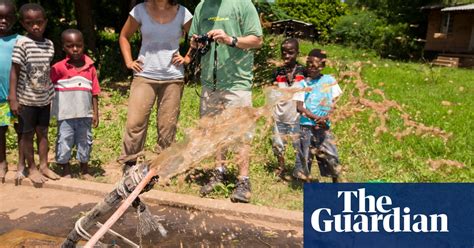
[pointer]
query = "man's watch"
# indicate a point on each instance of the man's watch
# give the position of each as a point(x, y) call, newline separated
point(234, 42)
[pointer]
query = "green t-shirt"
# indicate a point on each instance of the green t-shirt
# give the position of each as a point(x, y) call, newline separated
point(234, 65)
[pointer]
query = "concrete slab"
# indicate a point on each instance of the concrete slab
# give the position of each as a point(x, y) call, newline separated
point(273, 216)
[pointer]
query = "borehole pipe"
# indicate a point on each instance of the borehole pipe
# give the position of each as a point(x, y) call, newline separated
point(119, 212)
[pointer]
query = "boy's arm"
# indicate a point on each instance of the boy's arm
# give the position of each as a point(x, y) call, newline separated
point(14, 106)
point(304, 111)
point(95, 108)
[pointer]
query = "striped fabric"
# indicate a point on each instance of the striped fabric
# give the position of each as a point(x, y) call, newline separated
point(74, 88)
point(34, 87)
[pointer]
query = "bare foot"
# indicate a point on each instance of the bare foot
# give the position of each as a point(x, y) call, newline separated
point(3, 171)
point(49, 173)
point(36, 177)
point(20, 175)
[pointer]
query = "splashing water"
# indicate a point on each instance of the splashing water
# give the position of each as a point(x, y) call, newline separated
point(236, 126)
point(232, 128)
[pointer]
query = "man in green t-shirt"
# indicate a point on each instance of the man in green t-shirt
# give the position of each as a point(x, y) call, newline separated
point(235, 28)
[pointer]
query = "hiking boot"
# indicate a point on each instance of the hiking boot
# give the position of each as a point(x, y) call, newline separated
point(216, 178)
point(242, 191)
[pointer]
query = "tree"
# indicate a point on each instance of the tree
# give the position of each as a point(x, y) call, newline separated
point(86, 22)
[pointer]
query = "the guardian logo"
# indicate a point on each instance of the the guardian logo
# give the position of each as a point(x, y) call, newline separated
point(371, 215)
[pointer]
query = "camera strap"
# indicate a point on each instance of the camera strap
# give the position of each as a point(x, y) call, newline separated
point(214, 71)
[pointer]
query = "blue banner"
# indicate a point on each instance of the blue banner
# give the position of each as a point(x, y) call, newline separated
point(389, 215)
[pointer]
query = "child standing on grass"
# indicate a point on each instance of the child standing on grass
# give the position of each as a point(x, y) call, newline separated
point(7, 41)
point(315, 107)
point(31, 91)
point(76, 103)
point(286, 117)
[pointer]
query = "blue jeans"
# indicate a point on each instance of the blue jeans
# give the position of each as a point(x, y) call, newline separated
point(282, 133)
point(74, 132)
point(320, 143)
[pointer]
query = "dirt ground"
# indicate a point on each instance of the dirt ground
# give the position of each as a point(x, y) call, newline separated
point(54, 212)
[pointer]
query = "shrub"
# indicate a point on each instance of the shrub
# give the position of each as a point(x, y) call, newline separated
point(357, 30)
point(322, 14)
point(271, 12)
point(109, 61)
point(395, 41)
point(364, 29)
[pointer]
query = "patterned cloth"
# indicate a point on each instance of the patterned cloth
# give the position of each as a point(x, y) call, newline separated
point(34, 87)
point(320, 99)
point(6, 117)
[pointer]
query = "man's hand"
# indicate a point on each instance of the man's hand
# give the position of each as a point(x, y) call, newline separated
point(220, 36)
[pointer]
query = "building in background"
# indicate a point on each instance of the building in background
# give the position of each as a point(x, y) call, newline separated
point(450, 35)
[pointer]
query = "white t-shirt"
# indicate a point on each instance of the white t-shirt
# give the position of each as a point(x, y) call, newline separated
point(159, 43)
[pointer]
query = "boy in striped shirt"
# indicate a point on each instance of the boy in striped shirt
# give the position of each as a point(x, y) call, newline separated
point(31, 91)
point(75, 104)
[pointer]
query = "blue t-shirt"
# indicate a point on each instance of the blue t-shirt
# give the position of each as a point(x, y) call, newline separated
point(319, 100)
point(6, 47)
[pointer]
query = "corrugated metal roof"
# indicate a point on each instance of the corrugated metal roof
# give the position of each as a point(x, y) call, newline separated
point(432, 7)
point(292, 20)
point(459, 8)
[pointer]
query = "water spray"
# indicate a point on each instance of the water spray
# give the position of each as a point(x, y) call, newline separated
point(137, 180)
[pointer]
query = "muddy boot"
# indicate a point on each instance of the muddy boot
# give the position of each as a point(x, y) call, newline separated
point(242, 191)
point(66, 172)
point(85, 172)
point(216, 178)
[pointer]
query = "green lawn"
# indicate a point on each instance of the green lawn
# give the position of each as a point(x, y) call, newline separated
point(434, 97)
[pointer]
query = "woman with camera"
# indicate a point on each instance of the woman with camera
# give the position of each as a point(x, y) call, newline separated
point(158, 73)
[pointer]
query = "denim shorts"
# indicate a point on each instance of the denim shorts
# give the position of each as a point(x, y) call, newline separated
point(282, 133)
point(74, 132)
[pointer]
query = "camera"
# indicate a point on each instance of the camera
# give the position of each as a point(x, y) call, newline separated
point(204, 43)
point(203, 39)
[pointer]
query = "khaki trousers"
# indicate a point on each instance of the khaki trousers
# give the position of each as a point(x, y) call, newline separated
point(143, 94)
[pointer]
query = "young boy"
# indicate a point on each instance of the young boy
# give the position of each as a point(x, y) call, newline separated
point(31, 91)
point(284, 113)
point(315, 107)
point(7, 41)
point(76, 102)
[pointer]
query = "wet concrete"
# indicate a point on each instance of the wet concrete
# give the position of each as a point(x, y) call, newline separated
point(54, 212)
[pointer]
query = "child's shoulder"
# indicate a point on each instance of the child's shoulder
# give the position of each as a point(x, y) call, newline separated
point(89, 61)
point(328, 77)
point(21, 39)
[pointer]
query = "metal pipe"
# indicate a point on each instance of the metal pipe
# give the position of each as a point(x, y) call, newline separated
point(119, 212)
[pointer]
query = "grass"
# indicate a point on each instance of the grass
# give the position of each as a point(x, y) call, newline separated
point(438, 97)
